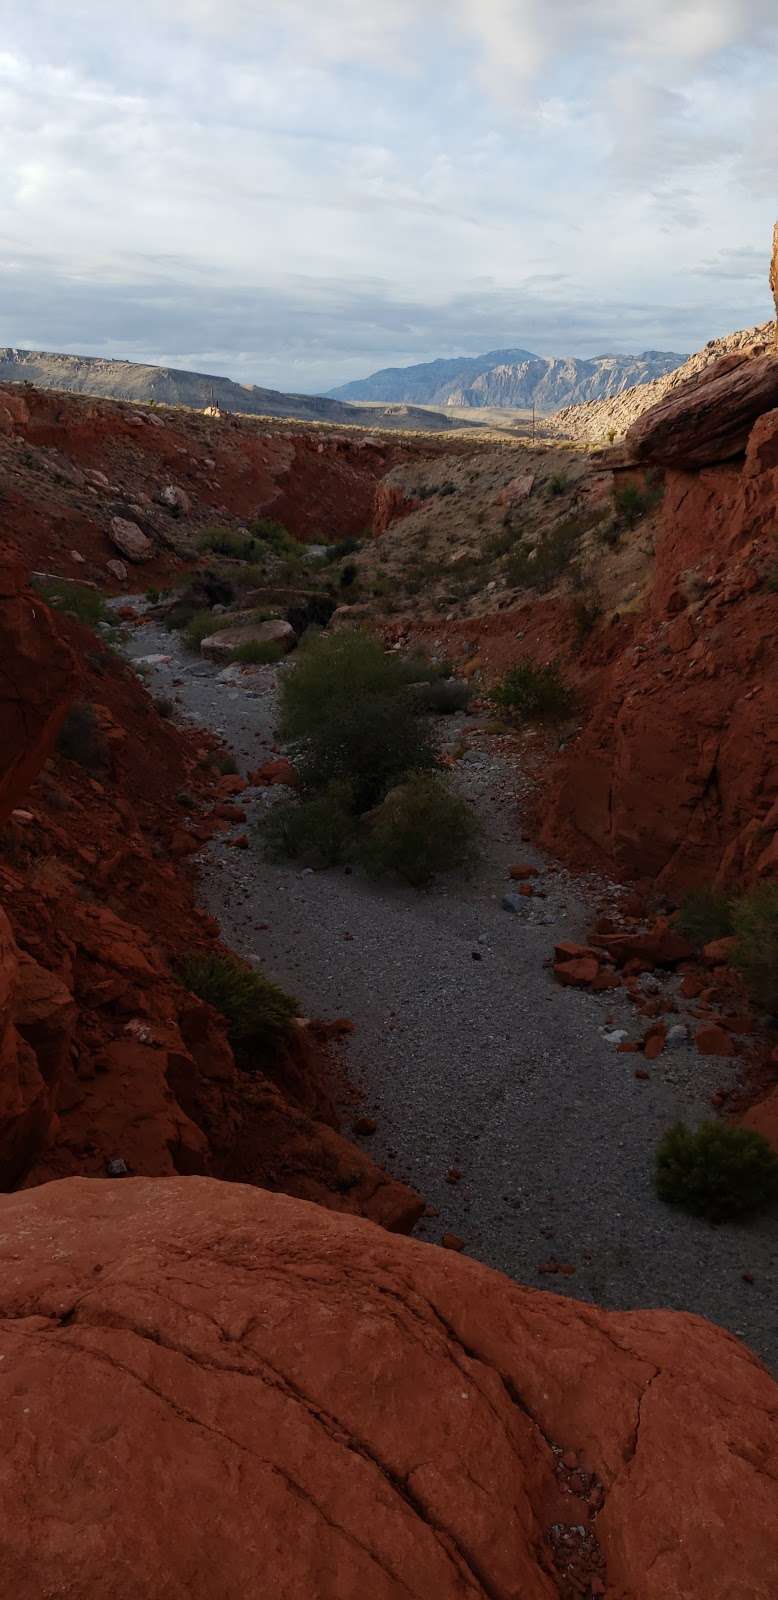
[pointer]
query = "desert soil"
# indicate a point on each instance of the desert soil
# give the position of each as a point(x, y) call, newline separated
point(468, 1054)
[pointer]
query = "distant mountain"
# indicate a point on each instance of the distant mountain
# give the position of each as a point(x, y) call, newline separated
point(512, 378)
point(171, 386)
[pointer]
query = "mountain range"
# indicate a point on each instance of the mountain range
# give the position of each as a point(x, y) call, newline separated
point(172, 386)
point(511, 378)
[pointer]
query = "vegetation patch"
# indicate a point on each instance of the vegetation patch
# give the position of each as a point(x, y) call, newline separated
point(633, 503)
point(257, 1012)
point(422, 829)
point(81, 739)
point(540, 566)
point(755, 924)
point(75, 599)
point(720, 1172)
point(705, 914)
point(319, 830)
point(535, 694)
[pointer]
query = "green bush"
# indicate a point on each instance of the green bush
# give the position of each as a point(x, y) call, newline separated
point(587, 610)
point(258, 652)
point(276, 538)
point(705, 914)
point(542, 565)
point(442, 697)
point(80, 738)
point(633, 503)
point(755, 922)
point(228, 542)
point(346, 547)
point(422, 829)
point(201, 626)
point(718, 1172)
point(318, 831)
point(75, 599)
point(558, 483)
point(371, 743)
point(335, 670)
point(257, 1012)
point(535, 694)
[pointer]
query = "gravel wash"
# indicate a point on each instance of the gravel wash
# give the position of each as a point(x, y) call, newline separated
point(471, 1059)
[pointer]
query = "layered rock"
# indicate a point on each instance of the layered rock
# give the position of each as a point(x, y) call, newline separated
point(225, 1391)
point(709, 419)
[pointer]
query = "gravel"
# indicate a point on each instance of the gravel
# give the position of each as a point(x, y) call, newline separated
point(469, 1055)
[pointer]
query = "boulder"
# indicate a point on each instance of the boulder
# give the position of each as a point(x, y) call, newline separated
point(708, 419)
point(130, 539)
point(174, 499)
point(211, 1389)
point(222, 645)
point(117, 570)
point(660, 944)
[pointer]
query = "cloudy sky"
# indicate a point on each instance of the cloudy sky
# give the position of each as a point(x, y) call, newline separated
point(295, 192)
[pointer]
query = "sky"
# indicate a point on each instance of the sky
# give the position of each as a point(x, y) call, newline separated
point(297, 192)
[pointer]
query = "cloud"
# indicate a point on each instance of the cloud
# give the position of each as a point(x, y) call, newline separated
point(282, 187)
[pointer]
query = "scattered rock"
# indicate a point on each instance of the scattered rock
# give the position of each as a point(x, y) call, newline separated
point(579, 973)
point(365, 1126)
point(714, 1041)
point(130, 539)
point(452, 1241)
point(117, 570)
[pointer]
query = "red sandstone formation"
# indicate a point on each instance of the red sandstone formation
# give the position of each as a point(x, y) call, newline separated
point(709, 419)
point(674, 775)
point(209, 1390)
point(103, 1055)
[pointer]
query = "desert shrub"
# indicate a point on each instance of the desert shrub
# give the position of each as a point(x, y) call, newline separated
point(257, 1012)
point(534, 694)
point(540, 566)
point(315, 612)
point(348, 575)
point(152, 595)
point(771, 578)
point(81, 739)
point(335, 670)
point(704, 915)
point(422, 829)
point(258, 652)
point(587, 610)
point(318, 831)
point(240, 546)
point(75, 599)
point(558, 483)
point(163, 705)
point(717, 1172)
point(633, 503)
point(276, 538)
point(442, 697)
point(200, 626)
point(226, 765)
point(370, 742)
point(755, 922)
point(346, 547)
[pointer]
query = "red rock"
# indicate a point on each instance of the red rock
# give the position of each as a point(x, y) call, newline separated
point(606, 979)
point(232, 783)
point(564, 1268)
point(654, 1044)
point(640, 1072)
point(35, 698)
point(578, 973)
point(142, 1326)
point(281, 771)
point(526, 889)
point(763, 1118)
point(713, 1041)
point(453, 1175)
point(660, 945)
point(691, 986)
point(628, 1048)
point(709, 419)
point(228, 813)
point(241, 842)
point(520, 873)
point(567, 951)
point(718, 952)
point(364, 1126)
point(452, 1241)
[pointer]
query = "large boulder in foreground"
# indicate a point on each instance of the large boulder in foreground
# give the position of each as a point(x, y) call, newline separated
point(708, 419)
point(211, 1390)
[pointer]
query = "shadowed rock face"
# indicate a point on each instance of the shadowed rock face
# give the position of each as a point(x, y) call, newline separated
point(210, 1390)
point(37, 684)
